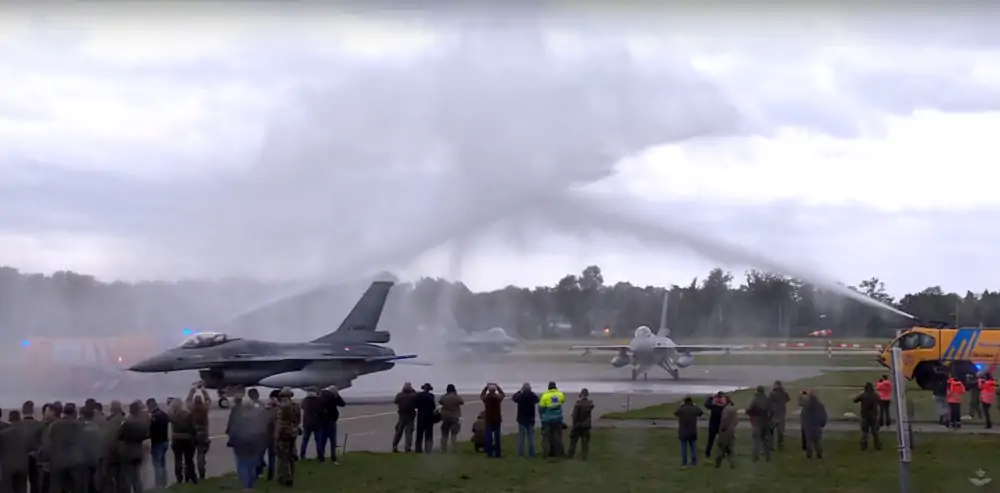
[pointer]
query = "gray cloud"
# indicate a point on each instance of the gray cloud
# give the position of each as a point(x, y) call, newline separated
point(367, 164)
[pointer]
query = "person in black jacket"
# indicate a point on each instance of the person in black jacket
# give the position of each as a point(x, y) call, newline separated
point(426, 405)
point(311, 410)
point(715, 405)
point(159, 442)
point(330, 403)
point(526, 401)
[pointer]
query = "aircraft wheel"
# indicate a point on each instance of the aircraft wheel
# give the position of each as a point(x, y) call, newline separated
point(635, 374)
point(223, 403)
point(676, 374)
point(645, 376)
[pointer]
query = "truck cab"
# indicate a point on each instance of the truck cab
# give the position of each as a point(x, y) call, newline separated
point(931, 354)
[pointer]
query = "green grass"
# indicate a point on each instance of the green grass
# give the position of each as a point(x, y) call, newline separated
point(734, 359)
point(835, 389)
point(647, 460)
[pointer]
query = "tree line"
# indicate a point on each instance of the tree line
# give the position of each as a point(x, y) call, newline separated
point(759, 305)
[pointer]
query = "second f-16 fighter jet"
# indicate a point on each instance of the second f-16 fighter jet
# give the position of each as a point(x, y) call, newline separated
point(232, 363)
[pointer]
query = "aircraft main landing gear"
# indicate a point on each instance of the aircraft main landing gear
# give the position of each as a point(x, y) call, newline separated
point(635, 374)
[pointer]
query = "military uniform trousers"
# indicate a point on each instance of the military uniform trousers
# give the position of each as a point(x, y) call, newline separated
point(404, 429)
point(778, 433)
point(725, 447)
point(425, 436)
point(284, 451)
point(869, 426)
point(450, 427)
point(581, 435)
point(201, 448)
point(762, 440)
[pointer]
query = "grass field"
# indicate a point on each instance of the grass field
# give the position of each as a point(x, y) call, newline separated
point(735, 359)
point(835, 389)
point(648, 460)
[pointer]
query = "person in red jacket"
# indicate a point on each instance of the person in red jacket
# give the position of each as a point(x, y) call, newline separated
point(956, 389)
point(884, 390)
point(987, 395)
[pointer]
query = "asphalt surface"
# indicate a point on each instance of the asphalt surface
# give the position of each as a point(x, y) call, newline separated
point(973, 429)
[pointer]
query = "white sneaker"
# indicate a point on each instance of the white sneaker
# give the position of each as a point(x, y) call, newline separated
point(335, 463)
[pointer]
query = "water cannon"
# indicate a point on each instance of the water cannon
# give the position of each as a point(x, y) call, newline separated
point(936, 324)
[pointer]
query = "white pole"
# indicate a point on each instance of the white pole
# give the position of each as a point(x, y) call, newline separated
point(902, 421)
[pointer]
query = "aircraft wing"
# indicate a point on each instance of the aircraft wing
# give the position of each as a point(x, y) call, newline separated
point(699, 348)
point(316, 357)
point(612, 347)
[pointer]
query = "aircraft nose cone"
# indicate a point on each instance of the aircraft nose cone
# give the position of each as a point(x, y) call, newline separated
point(146, 366)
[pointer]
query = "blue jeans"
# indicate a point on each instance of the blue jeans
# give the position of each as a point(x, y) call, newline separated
point(492, 441)
point(526, 434)
point(158, 454)
point(688, 445)
point(269, 453)
point(316, 433)
point(246, 470)
point(327, 434)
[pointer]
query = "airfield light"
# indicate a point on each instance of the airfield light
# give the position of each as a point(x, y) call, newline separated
point(25, 343)
point(186, 332)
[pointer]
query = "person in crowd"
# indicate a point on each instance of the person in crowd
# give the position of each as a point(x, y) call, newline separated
point(939, 389)
point(64, 442)
point(288, 428)
point(50, 413)
point(130, 436)
point(550, 414)
point(526, 401)
point(715, 405)
point(93, 439)
point(247, 432)
point(492, 397)
point(761, 415)
point(687, 430)
point(254, 396)
point(199, 407)
point(406, 412)
point(869, 401)
point(427, 416)
point(310, 423)
point(479, 432)
point(159, 442)
point(268, 460)
point(15, 448)
point(32, 428)
point(956, 391)
point(813, 421)
point(451, 418)
point(779, 407)
point(987, 396)
point(182, 442)
point(884, 390)
point(580, 425)
point(726, 445)
point(975, 400)
point(330, 403)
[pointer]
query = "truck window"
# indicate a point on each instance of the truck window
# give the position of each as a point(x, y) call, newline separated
point(927, 341)
point(909, 341)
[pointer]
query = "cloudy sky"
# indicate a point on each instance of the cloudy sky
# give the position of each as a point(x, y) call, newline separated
point(507, 148)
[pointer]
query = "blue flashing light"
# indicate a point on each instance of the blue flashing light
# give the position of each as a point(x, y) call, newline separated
point(25, 343)
point(979, 366)
point(186, 332)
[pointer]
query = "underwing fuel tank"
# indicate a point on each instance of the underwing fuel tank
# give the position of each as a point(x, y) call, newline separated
point(307, 378)
point(622, 359)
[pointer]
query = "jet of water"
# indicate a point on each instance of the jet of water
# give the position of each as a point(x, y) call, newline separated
point(582, 210)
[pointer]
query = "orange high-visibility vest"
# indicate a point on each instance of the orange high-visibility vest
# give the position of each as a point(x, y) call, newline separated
point(955, 391)
point(987, 391)
point(884, 389)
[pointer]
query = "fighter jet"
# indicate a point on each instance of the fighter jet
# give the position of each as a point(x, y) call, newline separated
point(493, 341)
point(647, 350)
point(232, 363)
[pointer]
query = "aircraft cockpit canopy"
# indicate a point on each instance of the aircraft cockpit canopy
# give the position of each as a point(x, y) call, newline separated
point(498, 331)
point(205, 339)
point(643, 332)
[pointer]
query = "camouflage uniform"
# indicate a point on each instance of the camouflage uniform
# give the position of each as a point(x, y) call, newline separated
point(286, 432)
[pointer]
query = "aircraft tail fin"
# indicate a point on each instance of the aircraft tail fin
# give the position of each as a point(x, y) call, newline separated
point(360, 324)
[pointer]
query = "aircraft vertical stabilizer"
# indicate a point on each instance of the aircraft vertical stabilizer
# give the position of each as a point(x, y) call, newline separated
point(364, 316)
